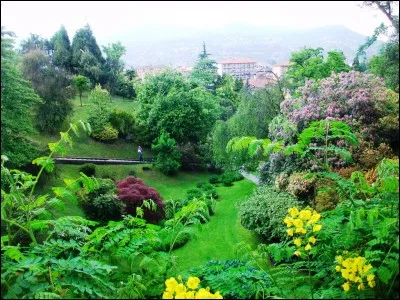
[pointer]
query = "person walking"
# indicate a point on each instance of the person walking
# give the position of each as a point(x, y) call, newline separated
point(139, 150)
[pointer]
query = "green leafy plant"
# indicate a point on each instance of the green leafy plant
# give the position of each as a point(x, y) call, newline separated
point(88, 169)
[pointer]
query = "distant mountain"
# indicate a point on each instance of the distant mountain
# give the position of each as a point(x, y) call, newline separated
point(169, 45)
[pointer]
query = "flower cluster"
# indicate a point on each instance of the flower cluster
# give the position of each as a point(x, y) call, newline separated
point(355, 270)
point(304, 224)
point(175, 290)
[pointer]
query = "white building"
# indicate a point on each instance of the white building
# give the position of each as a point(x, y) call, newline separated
point(242, 68)
point(280, 69)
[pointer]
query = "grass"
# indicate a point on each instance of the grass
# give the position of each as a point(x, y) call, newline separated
point(218, 238)
point(81, 113)
point(84, 146)
point(169, 187)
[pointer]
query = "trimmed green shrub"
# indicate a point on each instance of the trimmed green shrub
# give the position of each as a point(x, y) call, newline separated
point(108, 134)
point(132, 172)
point(102, 204)
point(264, 211)
point(227, 182)
point(168, 157)
point(122, 121)
point(214, 179)
point(88, 169)
point(200, 185)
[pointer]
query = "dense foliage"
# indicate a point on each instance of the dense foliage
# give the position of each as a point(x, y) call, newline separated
point(17, 101)
point(102, 203)
point(264, 210)
point(168, 157)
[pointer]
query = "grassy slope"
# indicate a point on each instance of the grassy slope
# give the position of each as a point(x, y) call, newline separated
point(84, 146)
point(218, 238)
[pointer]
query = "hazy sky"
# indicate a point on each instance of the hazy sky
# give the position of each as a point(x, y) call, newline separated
point(117, 17)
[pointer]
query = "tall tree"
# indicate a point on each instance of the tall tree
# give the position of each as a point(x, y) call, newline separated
point(204, 72)
point(62, 55)
point(114, 64)
point(17, 102)
point(86, 54)
point(53, 85)
point(36, 42)
point(309, 64)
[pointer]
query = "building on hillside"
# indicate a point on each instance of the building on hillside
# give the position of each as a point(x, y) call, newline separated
point(242, 68)
point(280, 69)
point(152, 70)
point(185, 71)
point(260, 81)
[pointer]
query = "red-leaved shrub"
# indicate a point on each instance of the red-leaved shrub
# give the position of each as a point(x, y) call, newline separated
point(133, 192)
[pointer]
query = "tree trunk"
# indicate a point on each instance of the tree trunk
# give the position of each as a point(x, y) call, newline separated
point(80, 98)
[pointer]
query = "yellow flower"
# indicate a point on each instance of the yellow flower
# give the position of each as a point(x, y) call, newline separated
point(180, 288)
point(305, 214)
point(315, 217)
point(371, 283)
point(294, 212)
point(288, 221)
point(370, 277)
point(317, 228)
point(337, 268)
point(339, 259)
point(217, 295)
point(180, 296)
point(171, 284)
point(346, 286)
point(298, 223)
point(345, 273)
point(361, 286)
point(301, 230)
point(168, 295)
point(312, 240)
point(308, 247)
point(297, 242)
point(193, 282)
point(290, 232)
point(203, 294)
point(367, 268)
point(352, 277)
point(190, 295)
point(297, 253)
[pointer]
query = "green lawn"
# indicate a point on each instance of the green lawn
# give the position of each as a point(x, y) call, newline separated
point(218, 238)
point(81, 113)
point(84, 146)
point(169, 187)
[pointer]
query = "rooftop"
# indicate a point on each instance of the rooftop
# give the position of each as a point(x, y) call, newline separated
point(283, 64)
point(237, 61)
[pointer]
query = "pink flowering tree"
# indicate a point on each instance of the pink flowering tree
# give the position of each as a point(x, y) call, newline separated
point(359, 99)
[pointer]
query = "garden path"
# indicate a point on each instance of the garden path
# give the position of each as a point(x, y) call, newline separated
point(251, 177)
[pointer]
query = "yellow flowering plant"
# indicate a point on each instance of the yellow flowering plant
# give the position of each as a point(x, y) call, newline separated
point(188, 290)
point(356, 271)
point(303, 223)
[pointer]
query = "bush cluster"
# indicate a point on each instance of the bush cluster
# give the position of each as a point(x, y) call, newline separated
point(107, 135)
point(88, 169)
point(102, 204)
point(264, 211)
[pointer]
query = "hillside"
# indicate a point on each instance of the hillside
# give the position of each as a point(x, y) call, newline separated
point(176, 46)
